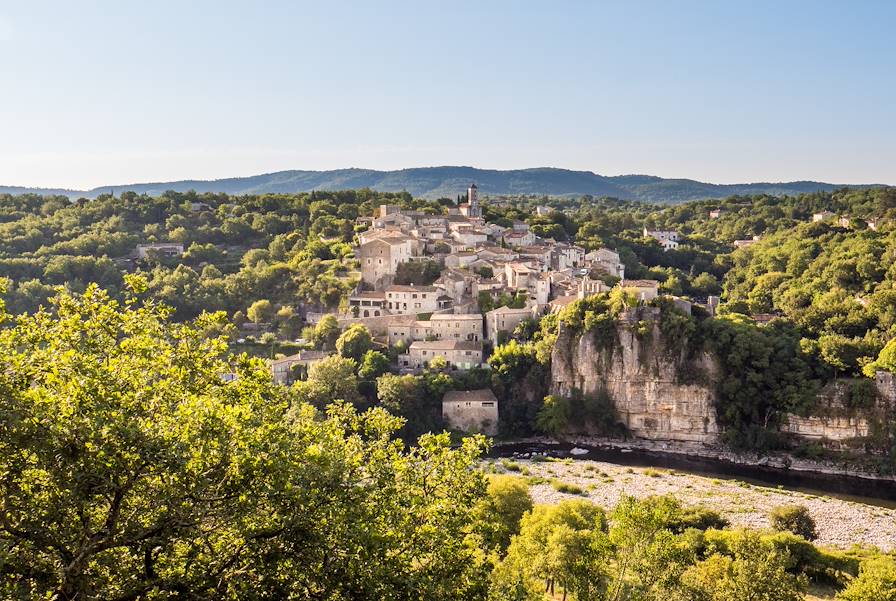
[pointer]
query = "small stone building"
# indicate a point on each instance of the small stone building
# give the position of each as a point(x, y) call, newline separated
point(471, 411)
point(284, 370)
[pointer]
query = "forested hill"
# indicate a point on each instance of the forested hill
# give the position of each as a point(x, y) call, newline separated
point(435, 182)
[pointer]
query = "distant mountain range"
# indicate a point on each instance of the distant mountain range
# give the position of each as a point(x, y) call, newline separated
point(435, 182)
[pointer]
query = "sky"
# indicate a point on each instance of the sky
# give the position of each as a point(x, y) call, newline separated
point(100, 93)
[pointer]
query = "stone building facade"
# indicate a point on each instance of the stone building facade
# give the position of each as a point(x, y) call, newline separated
point(471, 411)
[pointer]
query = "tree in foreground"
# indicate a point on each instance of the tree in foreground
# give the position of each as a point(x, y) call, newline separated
point(563, 545)
point(502, 510)
point(130, 470)
point(753, 571)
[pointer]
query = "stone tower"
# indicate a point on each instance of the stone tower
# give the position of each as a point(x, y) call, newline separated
point(474, 209)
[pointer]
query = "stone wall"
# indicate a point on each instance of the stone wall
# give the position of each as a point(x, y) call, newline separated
point(642, 376)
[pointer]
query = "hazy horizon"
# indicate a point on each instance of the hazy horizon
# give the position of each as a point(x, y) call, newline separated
point(124, 184)
point(110, 94)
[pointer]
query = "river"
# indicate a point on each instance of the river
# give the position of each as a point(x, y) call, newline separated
point(881, 493)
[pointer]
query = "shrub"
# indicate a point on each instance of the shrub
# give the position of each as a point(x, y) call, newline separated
point(565, 487)
point(698, 518)
point(794, 518)
point(876, 582)
point(831, 567)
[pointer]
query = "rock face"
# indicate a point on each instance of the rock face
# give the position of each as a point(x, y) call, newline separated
point(642, 375)
point(660, 394)
point(836, 423)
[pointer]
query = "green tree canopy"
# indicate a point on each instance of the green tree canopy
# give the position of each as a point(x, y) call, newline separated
point(354, 342)
point(260, 310)
point(326, 332)
point(131, 470)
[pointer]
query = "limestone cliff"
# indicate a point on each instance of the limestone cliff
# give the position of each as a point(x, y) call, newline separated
point(840, 420)
point(661, 393)
point(644, 376)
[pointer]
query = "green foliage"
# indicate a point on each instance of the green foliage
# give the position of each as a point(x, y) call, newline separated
point(330, 379)
point(354, 342)
point(526, 329)
point(412, 398)
point(563, 544)
point(764, 374)
point(259, 311)
point(513, 360)
point(650, 559)
point(584, 414)
point(131, 470)
point(244, 249)
point(886, 360)
point(507, 501)
point(795, 519)
point(419, 273)
point(863, 394)
point(876, 582)
point(677, 328)
point(325, 333)
point(575, 314)
point(698, 518)
point(373, 365)
point(554, 416)
point(567, 488)
point(754, 570)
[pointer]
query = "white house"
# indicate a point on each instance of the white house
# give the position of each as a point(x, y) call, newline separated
point(606, 260)
point(518, 238)
point(164, 249)
point(668, 239)
point(404, 300)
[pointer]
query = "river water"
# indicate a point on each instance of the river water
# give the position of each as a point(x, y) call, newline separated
point(881, 493)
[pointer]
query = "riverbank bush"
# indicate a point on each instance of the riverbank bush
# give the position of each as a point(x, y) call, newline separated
point(795, 519)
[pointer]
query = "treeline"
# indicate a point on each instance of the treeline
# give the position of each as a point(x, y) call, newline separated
point(286, 248)
point(132, 469)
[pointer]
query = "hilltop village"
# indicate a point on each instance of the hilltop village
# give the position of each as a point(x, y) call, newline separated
point(490, 280)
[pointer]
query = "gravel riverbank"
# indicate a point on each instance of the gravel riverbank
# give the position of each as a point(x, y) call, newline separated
point(840, 523)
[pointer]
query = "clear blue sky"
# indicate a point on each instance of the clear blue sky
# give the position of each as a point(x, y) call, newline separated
point(99, 93)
